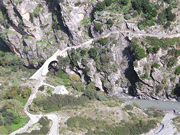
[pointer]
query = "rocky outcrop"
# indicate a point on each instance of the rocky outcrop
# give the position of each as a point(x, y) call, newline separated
point(35, 29)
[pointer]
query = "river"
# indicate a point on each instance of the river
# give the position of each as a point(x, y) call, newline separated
point(163, 105)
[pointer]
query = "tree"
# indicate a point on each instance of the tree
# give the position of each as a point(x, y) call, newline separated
point(156, 49)
point(167, 25)
point(124, 2)
point(98, 26)
point(26, 92)
point(63, 62)
point(154, 13)
point(137, 5)
point(91, 94)
point(108, 2)
point(177, 71)
point(150, 50)
point(1, 122)
point(110, 23)
point(162, 17)
point(74, 77)
point(100, 6)
point(172, 61)
point(43, 121)
point(16, 120)
point(140, 54)
point(92, 53)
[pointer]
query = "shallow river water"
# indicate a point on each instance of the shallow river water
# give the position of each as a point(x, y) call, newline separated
point(163, 105)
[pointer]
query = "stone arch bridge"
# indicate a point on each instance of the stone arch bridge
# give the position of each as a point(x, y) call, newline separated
point(44, 68)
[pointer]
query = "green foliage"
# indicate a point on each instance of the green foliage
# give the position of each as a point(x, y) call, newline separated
point(100, 96)
point(83, 52)
point(166, 15)
point(156, 49)
point(159, 88)
point(98, 26)
point(127, 17)
point(172, 61)
point(103, 41)
point(174, 52)
point(164, 81)
point(17, 92)
point(78, 86)
point(177, 71)
point(77, 3)
point(16, 120)
point(74, 77)
point(41, 88)
point(61, 74)
point(155, 65)
point(110, 23)
point(100, 6)
point(43, 121)
point(92, 53)
point(138, 52)
point(124, 2)
point(55, 102)
point(95, 127)
point(108, 2)
point(129, 107)
point(150, 50)
point(135, 64)
point(144, 76)
point(91, 94)
point(134, 14)
point(141, 27)
point(167, 25)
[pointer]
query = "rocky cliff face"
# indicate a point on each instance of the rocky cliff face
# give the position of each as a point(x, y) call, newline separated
point(35, 29)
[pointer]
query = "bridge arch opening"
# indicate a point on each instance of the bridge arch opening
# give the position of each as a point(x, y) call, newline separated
point(53, 66)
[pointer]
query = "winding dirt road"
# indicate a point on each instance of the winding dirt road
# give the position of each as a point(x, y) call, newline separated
point(34, 118)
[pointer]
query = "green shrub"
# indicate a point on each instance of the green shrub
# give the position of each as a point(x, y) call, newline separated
point(129, 107)
point(172, 61)
point(156, 49)
point(127, 17)
point(43, 121)
point(164, 81)
point(141, 27)
point(77, 3)
point(74, 77)
point(83, 52)
point(92, 53)
point(177, 71)
point(135, 14)
point(108, 2)
point(100, 6)
point(44, 130)
point(135, 64)
point(98, 26)
point(103, 41)
point(167, 25)
point(140, 53)
point(110, 23)
point(100, 96)
point(1, 122)
point(41, 88)
point(16, 120)
point(124, 2)
point(155, 65)
point(150, 50)
point(91, 94)
point(159, 88)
